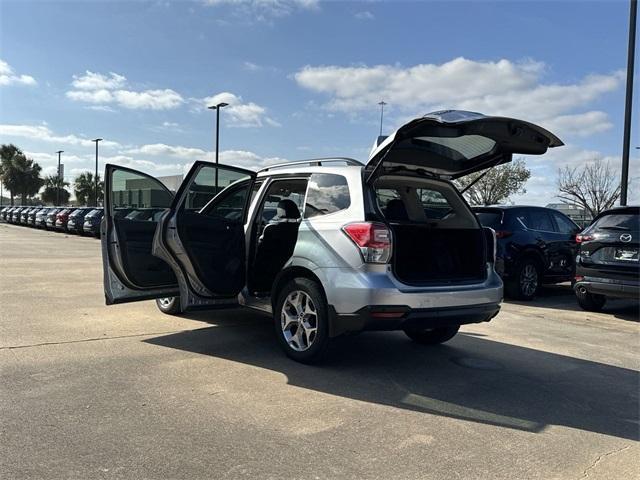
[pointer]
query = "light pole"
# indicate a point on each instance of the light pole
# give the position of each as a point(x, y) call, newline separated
point(624, 177)
point(95, 178)
point(217, 109)
point(59, 179)
point(382, 103)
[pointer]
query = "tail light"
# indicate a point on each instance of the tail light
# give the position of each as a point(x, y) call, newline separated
point(584, 238)
point(490, 236)
point(503, 233)
point(373, 239)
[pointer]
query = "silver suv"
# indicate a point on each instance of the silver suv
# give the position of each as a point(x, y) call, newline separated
point(327, 246)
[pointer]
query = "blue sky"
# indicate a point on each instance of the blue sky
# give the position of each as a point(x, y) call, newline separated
point(303, 77)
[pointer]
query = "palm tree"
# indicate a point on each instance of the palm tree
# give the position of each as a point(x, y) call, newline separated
point(20, 174)
point(84, 188)
point(50, 193)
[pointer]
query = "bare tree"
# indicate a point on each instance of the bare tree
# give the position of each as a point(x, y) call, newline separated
point(497, 185)
point(593, 186)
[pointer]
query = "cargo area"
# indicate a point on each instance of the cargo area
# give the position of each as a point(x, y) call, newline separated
point(436, 238)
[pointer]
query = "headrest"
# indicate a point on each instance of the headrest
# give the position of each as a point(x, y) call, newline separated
point(287, 209)
point(396, 210)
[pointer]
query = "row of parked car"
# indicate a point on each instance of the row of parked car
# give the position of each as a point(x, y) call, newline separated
point(81, 220)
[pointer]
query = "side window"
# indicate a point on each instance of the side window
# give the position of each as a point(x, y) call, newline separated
point(434, 204)
point(229, 205)
point(564, 224)
point(132, 192)
point(385, 195)
point(539, 220)
point(207, 183)
point(283, 200)
point(327, 193)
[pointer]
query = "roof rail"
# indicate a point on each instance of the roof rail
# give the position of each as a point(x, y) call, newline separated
point(316, 162)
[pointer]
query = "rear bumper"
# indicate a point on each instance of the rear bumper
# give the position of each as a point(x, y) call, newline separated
point(610, 288)
point(403, 317)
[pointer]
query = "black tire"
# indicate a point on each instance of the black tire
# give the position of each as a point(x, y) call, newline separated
point(169, 305)
point(433, 336)
point(520, 286)
point(591, 302)
point(320, 339)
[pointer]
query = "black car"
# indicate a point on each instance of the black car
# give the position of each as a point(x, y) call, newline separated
point(535, 245)
point(607, 262)
point(75, 223)
point(92, 222)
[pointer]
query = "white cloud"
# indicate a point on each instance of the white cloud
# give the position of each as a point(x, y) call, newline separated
point(496, 88)
point(160, 149)
point(239, 113)
point(365, 15)
point(265, 9)
point(98, 81)
point(9, 77)
point(102, 90)
point(44, 133)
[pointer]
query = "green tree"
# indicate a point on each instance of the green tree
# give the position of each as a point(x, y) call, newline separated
point(50, 192)
point(21, 175)
point(7, 153)
point(497, 185)
point(84, 188)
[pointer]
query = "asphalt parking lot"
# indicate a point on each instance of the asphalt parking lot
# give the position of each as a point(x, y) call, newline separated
point(543, 391)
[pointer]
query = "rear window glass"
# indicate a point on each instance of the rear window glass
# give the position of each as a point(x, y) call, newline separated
point(619, 221)
point(326, 193)
point(490, 219)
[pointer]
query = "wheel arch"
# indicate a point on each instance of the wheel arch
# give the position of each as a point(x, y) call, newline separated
point(289, 274)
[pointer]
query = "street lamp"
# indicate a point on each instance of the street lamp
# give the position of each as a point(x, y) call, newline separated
point(631, 50)
point(382, 103)
point(217, 109)
point(59, 179)
point(95, 178)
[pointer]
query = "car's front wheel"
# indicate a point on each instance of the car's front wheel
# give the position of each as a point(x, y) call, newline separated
point(301, 320)
point(169, 305)
point(432, 336)
point(591, 302)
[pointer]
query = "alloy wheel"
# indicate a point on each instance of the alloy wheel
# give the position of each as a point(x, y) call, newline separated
point(529, 280)
point(299, 320)
point(165, 302)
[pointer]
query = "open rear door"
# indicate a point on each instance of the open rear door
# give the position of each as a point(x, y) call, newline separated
point(131, 272)
point(202, 235)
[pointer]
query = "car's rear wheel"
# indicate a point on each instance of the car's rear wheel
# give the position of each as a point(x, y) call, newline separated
point(525, 282)
point(592, 302)
point(301, 320)
point(169, 305)
point(432, 336)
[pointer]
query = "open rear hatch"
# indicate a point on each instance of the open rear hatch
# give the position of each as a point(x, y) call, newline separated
point(454, 143)
point(437, 238)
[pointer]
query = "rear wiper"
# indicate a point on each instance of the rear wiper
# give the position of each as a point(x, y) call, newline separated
point(615, 227)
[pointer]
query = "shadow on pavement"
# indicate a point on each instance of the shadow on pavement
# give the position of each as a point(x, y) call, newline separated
point(562, 297)
point(470, 378)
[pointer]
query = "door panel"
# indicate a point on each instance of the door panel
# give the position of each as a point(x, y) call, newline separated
point(203, 237)
point(131, 272)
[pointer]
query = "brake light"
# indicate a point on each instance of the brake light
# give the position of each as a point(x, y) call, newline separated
point(373, 239)
point(503, 233)
point(584, 238)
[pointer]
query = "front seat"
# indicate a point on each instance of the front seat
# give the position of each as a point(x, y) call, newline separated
point(275, 245)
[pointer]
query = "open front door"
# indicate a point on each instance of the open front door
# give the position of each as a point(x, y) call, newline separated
point(202, 235)
point(133, 202)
